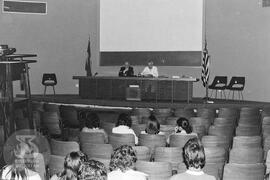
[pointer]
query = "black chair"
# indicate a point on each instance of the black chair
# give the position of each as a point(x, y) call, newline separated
point(219, 84)
point(49, 79)
point(237, 83)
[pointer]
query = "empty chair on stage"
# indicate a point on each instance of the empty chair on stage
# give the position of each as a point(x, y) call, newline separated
point(219, 84)
point(236, 84)
point(49, 79)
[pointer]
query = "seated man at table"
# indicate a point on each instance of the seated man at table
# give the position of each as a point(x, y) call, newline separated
point(150, 70)
point(126, 70)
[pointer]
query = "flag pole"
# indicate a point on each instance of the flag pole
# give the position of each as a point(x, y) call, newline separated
point(205, 48)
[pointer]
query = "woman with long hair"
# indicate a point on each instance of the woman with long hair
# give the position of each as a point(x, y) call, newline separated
point(18, 170)
point(92, 125)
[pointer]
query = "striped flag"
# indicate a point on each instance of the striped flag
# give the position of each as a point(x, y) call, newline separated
point(88, 62)
point(205, 66)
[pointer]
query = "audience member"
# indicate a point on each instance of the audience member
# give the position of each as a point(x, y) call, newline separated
point(72, 164)
point(153, 126)
point(92, 170)
point(183, 126)
point(92, 125)
point(123, 126)
point(194, 158)
point(23, 158)
point(126, 70)
point(122, 165)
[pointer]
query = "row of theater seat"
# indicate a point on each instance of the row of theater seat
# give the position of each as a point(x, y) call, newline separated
point(221, 131)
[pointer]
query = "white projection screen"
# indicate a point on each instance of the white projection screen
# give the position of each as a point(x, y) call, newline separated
point(169, 32)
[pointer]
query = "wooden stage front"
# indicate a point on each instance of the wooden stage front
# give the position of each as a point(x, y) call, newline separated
point(196, 102)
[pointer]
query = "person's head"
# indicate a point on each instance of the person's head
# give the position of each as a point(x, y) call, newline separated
point(123, 158)
point(22, 156)
point(124, 119)
point(92, 170)
point(153, 125)
point(127, 64)
point(150, 64)
point(194, 156)
point(72, 164)
point(183, 123)
point(92, 120)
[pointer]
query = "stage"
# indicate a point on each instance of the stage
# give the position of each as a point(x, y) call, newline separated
point(76, 100)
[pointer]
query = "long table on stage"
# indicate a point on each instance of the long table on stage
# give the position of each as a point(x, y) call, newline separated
point(103, 87)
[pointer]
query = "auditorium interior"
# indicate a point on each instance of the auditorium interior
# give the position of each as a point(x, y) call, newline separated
point(201, 48)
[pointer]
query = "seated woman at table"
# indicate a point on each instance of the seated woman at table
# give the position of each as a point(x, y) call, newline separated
point(126, 70)
point(123, 126)
point(92, 125)
point(150, 70)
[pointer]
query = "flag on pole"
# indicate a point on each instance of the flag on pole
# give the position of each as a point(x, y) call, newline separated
point(88, 62)
point(205, 66)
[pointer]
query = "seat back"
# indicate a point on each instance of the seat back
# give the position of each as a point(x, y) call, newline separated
point(249, 111)
point(56, 164)
point(62, 148)
point(51, 121)
point(172, 155)
point(216, 141)
point(227, 112)
point(103, 151)
point(51, 77)
point(142, 153)
point(117, 140)
point(234, 171)
point(180, 140)
point(237, 80)
point(152, 141)
point(247, 141)
point(200, 121)
point(207, 113)
point(246, 155)
point(51, 107)
point(248, 131)
point(215, 155)
point(155, 170)
point(218, 81)
point(225, 121)
point(221, 130)
point(92, 137)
